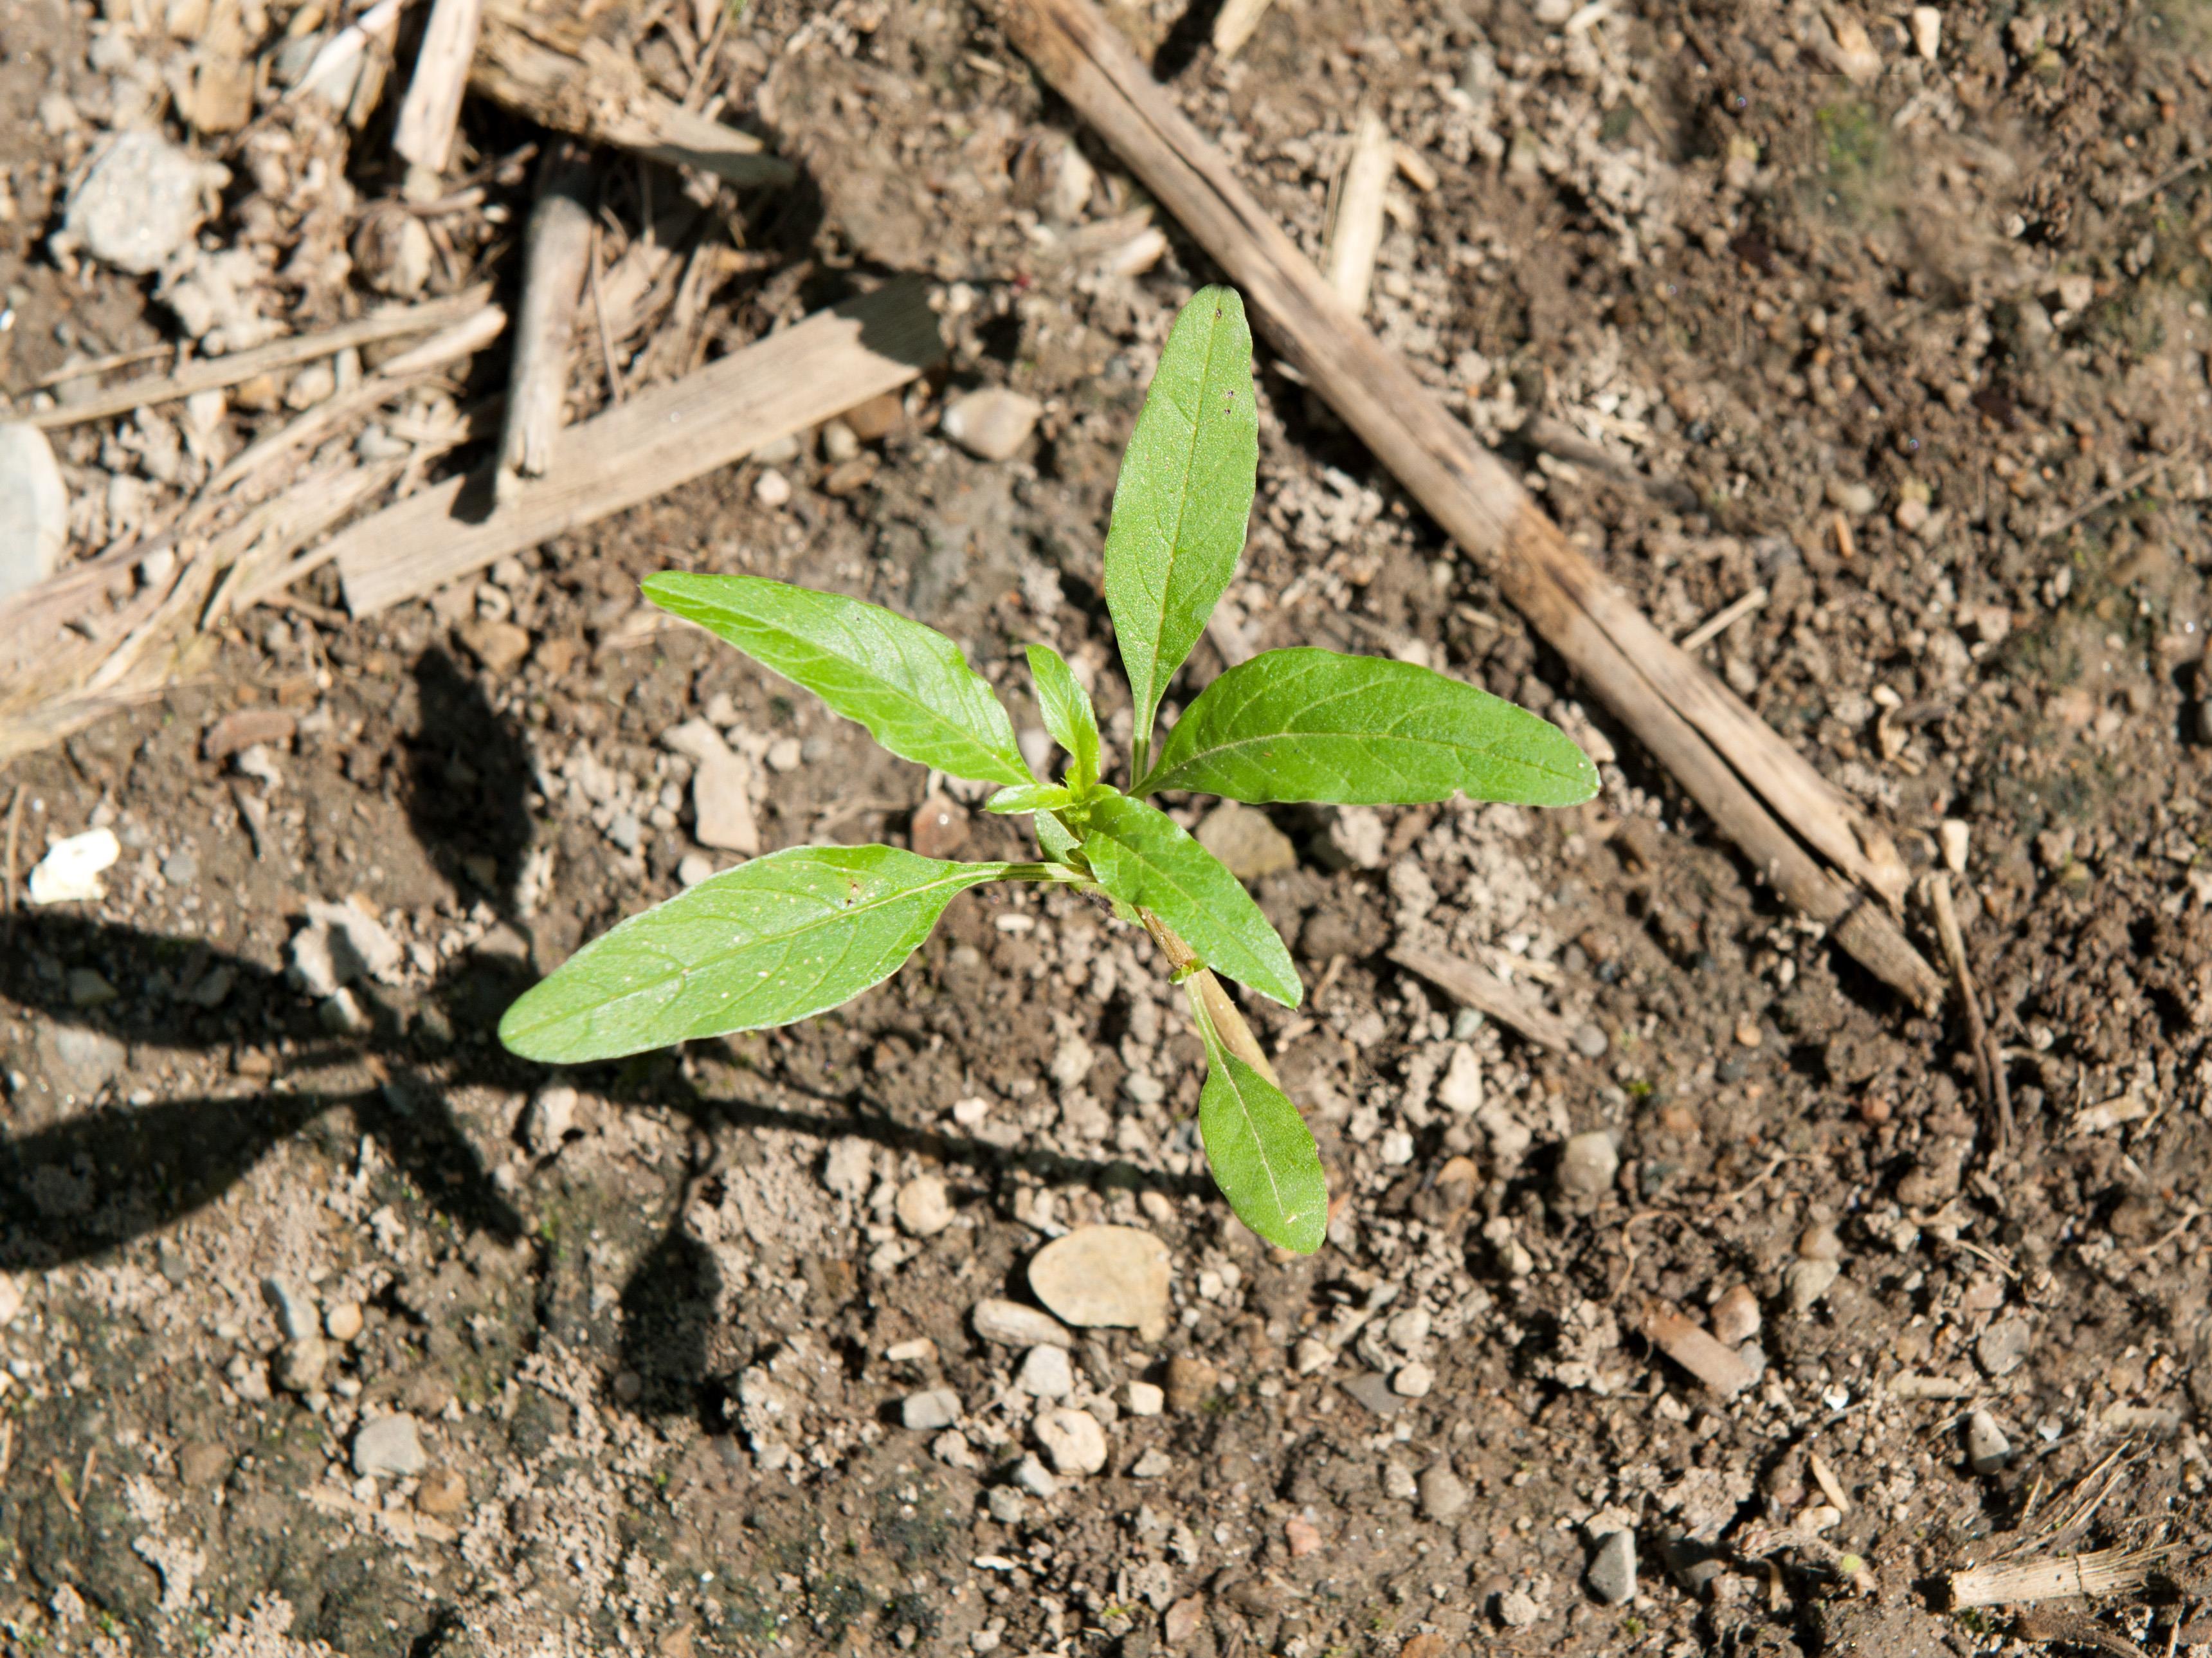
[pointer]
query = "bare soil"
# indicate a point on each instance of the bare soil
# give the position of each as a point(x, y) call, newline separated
point(1927, 351)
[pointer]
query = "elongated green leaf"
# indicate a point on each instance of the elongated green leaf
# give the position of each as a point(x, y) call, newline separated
point(779, 939)
point(1311, 724)
point(1145, 858)
point(1183, 495)
point(1068, 712)
point(1030, 797)
point(1262, 1154)
point(907, 683)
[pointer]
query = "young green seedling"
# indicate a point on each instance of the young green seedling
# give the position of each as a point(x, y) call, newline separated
point(799, 932)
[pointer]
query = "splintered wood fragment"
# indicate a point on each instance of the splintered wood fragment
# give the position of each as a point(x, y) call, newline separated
point(2103, 1571)
point(572, 82)
point(1913, 1385)
point(557, 248)
point(1989, 1067)
point(1697, 1351)
point(214, 373)
point(432, 105)
point(1723, 619)
point(1355, 232)
point(464, 339)
point(1758, 790)
point(660, 438)
point(1234, 23)
point(1485, 992)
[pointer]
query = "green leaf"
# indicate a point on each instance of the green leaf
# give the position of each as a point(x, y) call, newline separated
point(1068, 712)
point(1183, 498)
point(1030, 797)
point(1262, 1154)
point(1060, 845)
point(1311, 724)
point(907, 683)
point(779, 939)
point(1145, 859)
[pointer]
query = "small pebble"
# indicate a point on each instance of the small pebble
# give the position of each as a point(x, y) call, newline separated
point(1954, 835)
point(1105, 1276)
point(391, 1445)
point(785, 754)
point(1154, 1464)
point(772, 490)
point(1444, 1495)
point(1413, 1381)
point(1071, 1440)
point(34, 509)
point(1303, 1535)
point(1819, 1242)
point(140, 202)
point(1516, 1610)
point(1590, 1041)
point(1005, 1505)
point(1987, 1449)
point(1748, 1033)
point(1246, 842)
point(1012, 1325)
point(1460, 1091)
point(1588, 1165)
point(443, 1491)
point(1736, 1316)
point(1144, 1398)
point(1397, 1148)
point(925, 1412)
point(300, 1363)
point(1612, 1569)
point(1190, 1383)
point(839, 443)
point(342, 1322)
point(1927, 31)
point(1808, 1280)
point(2003, 1347)
point(923, 1207)
point(1046, 1374)
point(991, 422)
point(69, 872)
point(1033, 1476)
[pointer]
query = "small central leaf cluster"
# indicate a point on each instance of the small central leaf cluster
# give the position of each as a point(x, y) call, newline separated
point(801, 931)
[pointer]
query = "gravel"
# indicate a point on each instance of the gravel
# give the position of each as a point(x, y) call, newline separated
point(140, 202)
point(992, 422)
point(1988, 1450)
point(1105, 1276)
point(1046, 1373)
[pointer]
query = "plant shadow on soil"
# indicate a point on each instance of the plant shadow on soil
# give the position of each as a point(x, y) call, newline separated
point(80, 1182)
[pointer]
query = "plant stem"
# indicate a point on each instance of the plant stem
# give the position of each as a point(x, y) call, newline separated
point(1140, 759)
point(1059, 872)
point(1228, 1017)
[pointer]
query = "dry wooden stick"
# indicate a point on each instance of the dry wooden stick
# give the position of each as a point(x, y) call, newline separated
point(433, 106)
point(1485, 992)
point(1719, 750)
point(577, 84)
point(1989, 1067)
point(660, 438)
point(1234, 23)
point(558, 245)
point(1355, 231)
point(464, 338)
point(2103, 1571)
point(213, 374)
